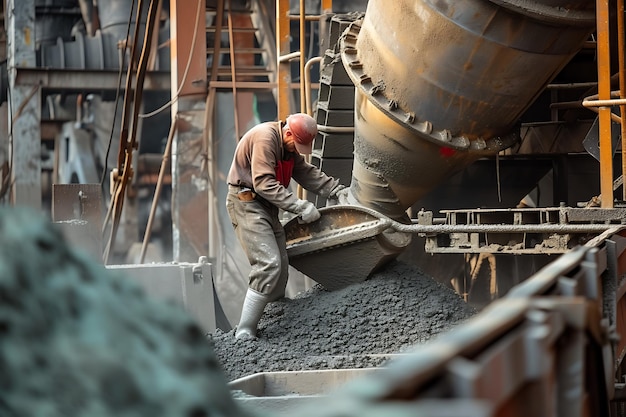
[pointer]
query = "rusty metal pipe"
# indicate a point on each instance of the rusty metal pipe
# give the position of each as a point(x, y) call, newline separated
point(335, 129)
point(592, 103)
point(622, 81)
point(442, 83)
point(307, 83)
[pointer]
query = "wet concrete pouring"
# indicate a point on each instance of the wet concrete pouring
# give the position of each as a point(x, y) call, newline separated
point(359, 326)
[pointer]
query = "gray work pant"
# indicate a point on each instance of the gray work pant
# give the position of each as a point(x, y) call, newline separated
point(262, 238)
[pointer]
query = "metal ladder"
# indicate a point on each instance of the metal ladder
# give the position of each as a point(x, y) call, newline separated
point(241, 52)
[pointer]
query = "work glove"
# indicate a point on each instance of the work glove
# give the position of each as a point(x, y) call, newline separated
point(338, 195)
point(307, 212)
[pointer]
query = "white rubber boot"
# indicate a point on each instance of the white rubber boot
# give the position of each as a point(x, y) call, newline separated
point(251, 312)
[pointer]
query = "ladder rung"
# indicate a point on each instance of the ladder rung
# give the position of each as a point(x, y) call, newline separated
point(253, 85)
point(235, 10)
point(307, 18)
point(243, 85)
point(226, 50)
point(245, 71)
point(237, 30)
point(238, 68)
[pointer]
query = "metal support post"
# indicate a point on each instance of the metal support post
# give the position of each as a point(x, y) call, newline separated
point(284, 66)
point(25, 107)
point(604, 93)
point(189, 90)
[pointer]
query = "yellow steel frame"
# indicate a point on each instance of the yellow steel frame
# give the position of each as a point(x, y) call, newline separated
point(604, 112)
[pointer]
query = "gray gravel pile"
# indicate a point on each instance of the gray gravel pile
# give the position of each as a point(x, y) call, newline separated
point(355, 327)
point(77, 340)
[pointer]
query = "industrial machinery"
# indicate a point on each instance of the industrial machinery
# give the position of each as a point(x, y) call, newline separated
point(466, 130)
point(438, 86)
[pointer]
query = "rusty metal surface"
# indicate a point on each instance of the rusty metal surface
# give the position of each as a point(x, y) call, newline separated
point(573, 13)
point(604, 112)
point(188, 51)
point(190, 201)
point(343, 247)
point(467, 67)
point(283, 80)
point(453, 75)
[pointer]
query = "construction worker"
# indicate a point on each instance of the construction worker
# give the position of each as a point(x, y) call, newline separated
point(267, 157)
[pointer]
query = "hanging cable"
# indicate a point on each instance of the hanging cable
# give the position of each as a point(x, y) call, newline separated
point(126, 145)
point(184, 78)
point(122, 139)
point(117, 96)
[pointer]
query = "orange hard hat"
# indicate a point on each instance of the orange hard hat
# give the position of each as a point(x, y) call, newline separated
point(304, 129)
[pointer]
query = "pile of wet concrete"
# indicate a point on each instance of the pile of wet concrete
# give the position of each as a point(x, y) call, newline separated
point(359, 326)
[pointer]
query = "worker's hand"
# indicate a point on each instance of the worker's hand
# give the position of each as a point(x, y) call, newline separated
point(309, 213)
point(338, 195)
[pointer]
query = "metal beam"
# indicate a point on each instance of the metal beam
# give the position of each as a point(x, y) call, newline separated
point(251, 85)
point(83, 80)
